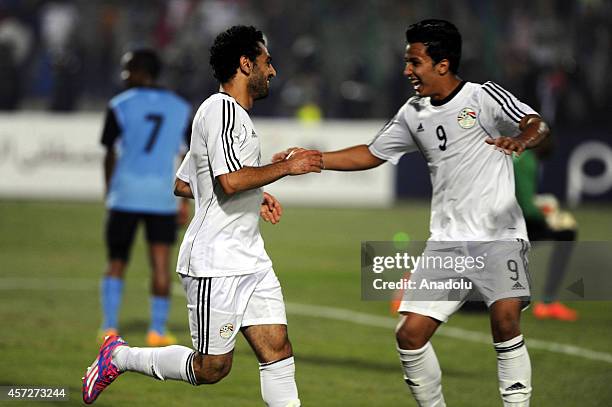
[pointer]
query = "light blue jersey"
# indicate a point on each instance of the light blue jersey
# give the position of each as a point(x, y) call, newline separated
point(148, 133)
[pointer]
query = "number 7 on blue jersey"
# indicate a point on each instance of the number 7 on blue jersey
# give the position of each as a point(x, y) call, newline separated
point(157, 120)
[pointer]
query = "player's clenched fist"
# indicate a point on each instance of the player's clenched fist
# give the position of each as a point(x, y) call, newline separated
point(302, 161)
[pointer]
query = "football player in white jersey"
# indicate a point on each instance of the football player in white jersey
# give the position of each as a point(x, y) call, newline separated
point(226, 273)
point(467, 132)
point(270, 209)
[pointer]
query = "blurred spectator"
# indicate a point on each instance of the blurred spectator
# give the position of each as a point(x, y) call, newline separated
point(330, 54)
point(58, 27)
point(15, 47)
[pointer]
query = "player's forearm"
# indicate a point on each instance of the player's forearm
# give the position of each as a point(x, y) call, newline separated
point(354, 158)
point(253, 177)
point(533, 130)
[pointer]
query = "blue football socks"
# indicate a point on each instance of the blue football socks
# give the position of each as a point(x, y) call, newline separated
point(160, 306)
point(111, 291)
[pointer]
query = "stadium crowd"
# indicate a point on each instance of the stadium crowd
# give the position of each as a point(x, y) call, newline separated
point(337, 59)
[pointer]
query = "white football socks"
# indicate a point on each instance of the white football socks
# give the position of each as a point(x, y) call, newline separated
point(278, 388)
point(423, 375)
point(514, 372)
point(169, 362)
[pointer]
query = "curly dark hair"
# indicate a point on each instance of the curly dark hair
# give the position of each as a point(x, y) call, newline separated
point(230, 45)
point(442, 39)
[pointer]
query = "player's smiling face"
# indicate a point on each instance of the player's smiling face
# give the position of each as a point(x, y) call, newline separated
point(262, 73)
point(420, 69)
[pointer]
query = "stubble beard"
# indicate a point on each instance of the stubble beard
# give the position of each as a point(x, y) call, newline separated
point(258, 87)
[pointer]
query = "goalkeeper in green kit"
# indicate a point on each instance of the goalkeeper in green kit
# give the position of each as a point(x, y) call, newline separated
point(545, 222)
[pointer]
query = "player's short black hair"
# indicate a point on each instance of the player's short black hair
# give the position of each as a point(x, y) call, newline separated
point(230, 45)
point(143, 60)
point(442, 39)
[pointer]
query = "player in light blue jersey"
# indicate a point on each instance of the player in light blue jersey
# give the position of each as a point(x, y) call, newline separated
point(146, 129)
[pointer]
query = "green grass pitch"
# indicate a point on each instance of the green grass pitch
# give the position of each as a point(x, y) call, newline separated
point(52, 257)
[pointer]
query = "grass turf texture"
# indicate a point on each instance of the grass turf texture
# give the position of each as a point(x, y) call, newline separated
point(50, 323)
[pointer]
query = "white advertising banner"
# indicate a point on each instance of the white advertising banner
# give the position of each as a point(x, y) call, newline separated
point(364, 188)
point(58, 156)
point(51, 156)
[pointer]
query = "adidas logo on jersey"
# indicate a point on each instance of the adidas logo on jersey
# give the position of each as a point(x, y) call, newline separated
point(516, 386)
point(420, 128)
point(517, 286)
point(253, 134)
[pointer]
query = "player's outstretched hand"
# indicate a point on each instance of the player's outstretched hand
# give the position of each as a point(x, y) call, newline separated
point(270, 209)
point(304, 161)
point(508, 145)
point(282, 155)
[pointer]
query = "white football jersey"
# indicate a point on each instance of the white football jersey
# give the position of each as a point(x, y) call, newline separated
point(184, 173)
point(473, 196)
point(223, 237)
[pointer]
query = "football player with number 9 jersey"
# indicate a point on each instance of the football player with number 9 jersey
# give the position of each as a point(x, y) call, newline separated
point(467, 133)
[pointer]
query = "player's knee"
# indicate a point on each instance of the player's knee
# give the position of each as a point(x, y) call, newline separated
point(118, 255)
point(278, 350)
point(409, 336)
point(211, 369)
point(506, 328)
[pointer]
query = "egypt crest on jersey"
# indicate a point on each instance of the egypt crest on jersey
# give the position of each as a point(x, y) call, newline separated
point(467, 118)
point(473, 184)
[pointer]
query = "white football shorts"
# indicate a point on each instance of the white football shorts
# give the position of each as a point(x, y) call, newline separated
point(219, 306)
point(505, 275)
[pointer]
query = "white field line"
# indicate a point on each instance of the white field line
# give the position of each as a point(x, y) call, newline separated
point(360, 318)
point(317, 311)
